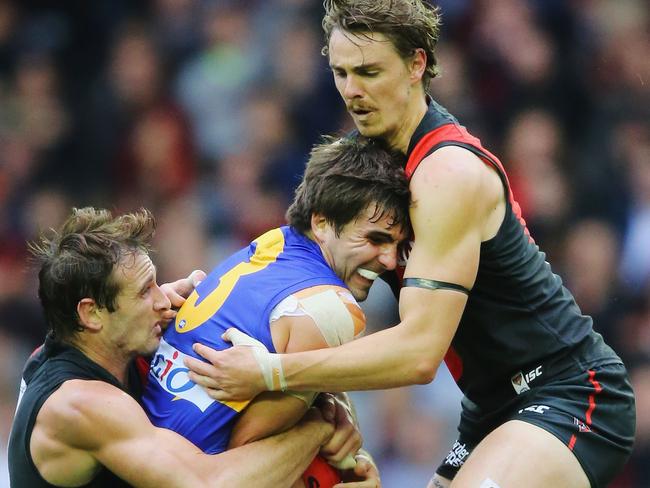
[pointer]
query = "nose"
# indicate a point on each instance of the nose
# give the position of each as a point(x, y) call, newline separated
point(352, 88)
point(388, 256)
point(161, 301)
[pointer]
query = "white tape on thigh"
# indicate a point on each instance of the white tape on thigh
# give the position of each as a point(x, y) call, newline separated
point(331, 316)
point(270, 364)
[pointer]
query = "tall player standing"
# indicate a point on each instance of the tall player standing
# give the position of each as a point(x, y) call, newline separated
point(476, 290)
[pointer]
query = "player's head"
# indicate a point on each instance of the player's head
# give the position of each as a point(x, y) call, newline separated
point(382, 56)
point(354, 202)
point(96, 278)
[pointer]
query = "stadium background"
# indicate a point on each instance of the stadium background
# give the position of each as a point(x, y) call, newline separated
point(204, 112)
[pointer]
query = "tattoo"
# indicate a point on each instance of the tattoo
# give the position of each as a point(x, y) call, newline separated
point(434, 285)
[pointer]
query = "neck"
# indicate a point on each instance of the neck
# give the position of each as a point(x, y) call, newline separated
point(111, 361)
point(413, 116)
point(326, 255)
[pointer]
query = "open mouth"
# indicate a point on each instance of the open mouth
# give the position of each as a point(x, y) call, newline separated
point(367, 274)
point(360, 112)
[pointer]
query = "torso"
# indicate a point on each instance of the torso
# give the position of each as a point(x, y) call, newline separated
point(242, 291)
point(44, 373)
point(519, 319)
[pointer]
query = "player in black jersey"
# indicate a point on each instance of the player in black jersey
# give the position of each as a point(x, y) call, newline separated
point(76, 422)
point(547, 402)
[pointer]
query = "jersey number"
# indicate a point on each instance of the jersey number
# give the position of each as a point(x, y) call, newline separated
point(191, 315)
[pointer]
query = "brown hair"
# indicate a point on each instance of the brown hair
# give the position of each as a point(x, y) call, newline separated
point(78, 260)
point(345, 176)
point(408, 24)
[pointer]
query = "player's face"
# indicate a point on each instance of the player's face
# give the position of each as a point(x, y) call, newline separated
point(364, 249)
point(137, 323)
point(377, 85)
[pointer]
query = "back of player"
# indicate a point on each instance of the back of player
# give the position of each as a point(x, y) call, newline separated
point(247, 291)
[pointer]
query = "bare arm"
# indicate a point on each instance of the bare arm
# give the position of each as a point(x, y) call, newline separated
point(87, 424)
point(272, 412)
point(458, 203)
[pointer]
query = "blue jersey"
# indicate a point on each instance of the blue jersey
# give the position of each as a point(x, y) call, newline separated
point(241, 292)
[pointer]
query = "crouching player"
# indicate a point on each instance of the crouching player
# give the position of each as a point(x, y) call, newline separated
point(295, 288)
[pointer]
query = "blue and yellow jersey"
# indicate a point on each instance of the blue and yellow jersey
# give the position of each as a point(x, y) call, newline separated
point(241, 292)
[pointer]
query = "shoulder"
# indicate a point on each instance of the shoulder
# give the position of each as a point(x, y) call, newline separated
point(317, 317)
point(80, 412)
point(455, 183)
point(449, 165)
point(333, 300)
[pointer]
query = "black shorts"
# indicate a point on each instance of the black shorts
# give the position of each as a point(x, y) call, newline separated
point(592, 413)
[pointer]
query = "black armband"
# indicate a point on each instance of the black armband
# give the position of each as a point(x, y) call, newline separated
point(434, 285)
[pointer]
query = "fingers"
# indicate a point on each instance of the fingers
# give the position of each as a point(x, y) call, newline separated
point(327, 405)
point(238, 338)
point(365, 474)
point(206, 352)
point(346, 439)
point(177, 291)
point(196, 277)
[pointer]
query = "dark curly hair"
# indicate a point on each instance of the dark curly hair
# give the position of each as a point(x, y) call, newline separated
point(78, 260)
point(344, 177)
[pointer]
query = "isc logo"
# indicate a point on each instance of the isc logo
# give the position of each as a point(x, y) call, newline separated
point(531, 375)
point(520, 381)
point(171, 374)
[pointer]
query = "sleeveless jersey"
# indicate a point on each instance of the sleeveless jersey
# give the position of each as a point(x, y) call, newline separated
point(241, 292)
point(520, 323)
point(46, 370)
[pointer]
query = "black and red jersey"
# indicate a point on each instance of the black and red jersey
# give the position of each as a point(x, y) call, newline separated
point(520, 325)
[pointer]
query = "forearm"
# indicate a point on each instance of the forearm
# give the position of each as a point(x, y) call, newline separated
point(381, 360)
point(275, 461)
point(406, 354)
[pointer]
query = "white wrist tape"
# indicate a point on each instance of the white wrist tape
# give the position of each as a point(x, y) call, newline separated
point(270, 364)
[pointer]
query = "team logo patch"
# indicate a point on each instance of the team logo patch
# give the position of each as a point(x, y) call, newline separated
point(168, 370)
point(519, 383)
point(582, 427)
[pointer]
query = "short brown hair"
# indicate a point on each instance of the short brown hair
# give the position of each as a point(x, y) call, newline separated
point(408, 24)
point(78, 260)
point(344, 177)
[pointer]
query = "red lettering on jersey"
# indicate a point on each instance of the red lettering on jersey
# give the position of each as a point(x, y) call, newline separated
point(454, 363)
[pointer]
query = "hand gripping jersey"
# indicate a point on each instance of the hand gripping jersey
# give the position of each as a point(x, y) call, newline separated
point(46, 370)
point(520, 324)
point(241, 292)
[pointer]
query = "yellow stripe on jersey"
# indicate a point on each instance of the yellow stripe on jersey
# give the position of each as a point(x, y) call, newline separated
point(191, 315)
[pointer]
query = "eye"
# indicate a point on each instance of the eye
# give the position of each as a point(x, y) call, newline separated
point(339, 73)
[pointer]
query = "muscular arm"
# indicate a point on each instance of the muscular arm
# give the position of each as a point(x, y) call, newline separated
point(458, 203)
point(446, 218)
point(272, 412)
point(87, 424)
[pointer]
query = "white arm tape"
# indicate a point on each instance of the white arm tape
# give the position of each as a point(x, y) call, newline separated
point(331, 316)
point(270, 364)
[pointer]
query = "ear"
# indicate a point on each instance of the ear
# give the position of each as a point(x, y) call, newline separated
point(418, 65)
point(90, 316)
point(319, 227)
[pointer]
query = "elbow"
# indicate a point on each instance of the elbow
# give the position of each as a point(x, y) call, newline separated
point(425, 371)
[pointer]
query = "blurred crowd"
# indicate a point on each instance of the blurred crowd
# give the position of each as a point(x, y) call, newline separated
point(204, 111)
